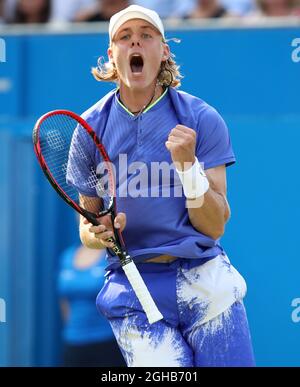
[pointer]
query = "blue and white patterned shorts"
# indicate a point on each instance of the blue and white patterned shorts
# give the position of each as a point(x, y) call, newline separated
point(204, 323)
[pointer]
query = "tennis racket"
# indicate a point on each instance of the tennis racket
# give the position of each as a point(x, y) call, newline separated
point(68, 150)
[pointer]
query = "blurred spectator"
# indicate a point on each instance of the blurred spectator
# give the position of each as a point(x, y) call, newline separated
point(88, 338)
point(104, 11)
point(31, 11)
point(238, 7)
point(1, 11)
point(296, 10)
point(67, 10)
point(168, 8)
point(181, 9)
point(277, 8)
point(9, 7)
point(208, 9)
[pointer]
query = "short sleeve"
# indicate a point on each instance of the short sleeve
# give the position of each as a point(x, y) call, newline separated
point(81, 169)
point(213, 146)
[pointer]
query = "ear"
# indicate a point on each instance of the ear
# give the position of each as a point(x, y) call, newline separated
point(110, 54)
point(166, 52)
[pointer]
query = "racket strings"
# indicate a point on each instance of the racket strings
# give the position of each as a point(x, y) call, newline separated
point(66, 147)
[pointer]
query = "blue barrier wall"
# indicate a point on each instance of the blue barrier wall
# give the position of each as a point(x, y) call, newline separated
point(249, 75)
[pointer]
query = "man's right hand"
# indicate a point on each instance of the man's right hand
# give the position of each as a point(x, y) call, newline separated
point(104, 230)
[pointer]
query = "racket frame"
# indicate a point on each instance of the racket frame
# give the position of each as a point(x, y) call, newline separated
point(128, 265)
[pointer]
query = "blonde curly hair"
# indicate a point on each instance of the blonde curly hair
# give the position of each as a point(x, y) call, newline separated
point(169, 74)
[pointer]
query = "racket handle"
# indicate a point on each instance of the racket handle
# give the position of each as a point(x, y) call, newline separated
point(142, 293)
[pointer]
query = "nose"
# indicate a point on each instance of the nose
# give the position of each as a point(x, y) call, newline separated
point(135, 42)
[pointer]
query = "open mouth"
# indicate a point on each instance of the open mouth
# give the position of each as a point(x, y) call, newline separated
point(136, 63)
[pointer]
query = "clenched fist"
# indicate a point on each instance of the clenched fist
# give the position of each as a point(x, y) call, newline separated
point(182, 144)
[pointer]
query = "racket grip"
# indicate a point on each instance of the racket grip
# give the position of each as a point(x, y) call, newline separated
point(142, 293)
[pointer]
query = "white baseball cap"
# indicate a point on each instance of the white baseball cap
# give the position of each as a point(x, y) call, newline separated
point(134, 12)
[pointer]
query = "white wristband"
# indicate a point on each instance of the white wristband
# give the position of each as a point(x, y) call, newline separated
point(194, 181)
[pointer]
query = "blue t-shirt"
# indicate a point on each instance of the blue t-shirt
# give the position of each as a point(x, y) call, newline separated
point(80, 288)
point(157, 223)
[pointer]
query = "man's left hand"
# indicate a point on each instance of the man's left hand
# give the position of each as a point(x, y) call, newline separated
point(182, 143)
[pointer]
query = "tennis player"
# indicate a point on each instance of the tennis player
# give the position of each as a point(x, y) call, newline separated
point(174, 239)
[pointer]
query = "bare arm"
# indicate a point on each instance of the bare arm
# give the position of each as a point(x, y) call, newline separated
point(87, 238)
point(210, 213)
point(64, 309)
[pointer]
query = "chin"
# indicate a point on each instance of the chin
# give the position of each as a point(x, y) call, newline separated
point(140, 81)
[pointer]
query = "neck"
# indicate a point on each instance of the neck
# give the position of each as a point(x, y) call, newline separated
point(137, 100)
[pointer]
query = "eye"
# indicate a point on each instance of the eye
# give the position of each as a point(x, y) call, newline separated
point(125, 37)
point(146, 36)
